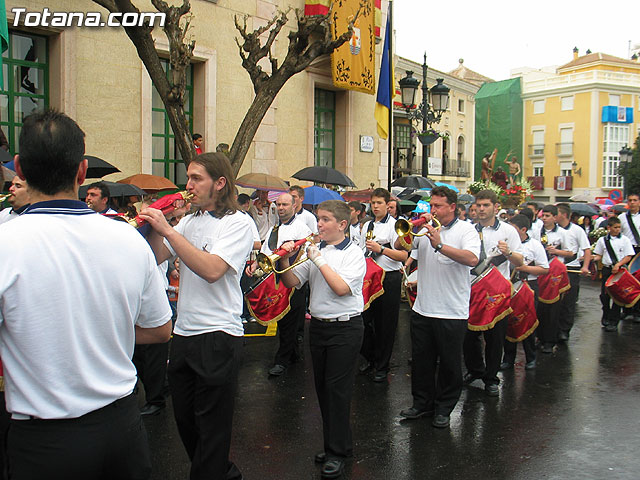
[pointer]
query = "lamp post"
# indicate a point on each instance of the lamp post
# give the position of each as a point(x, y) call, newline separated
point(626, 156)
point(428, 112)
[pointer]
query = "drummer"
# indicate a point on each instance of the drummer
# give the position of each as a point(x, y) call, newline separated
point(535, 264)
point(441, 309)
point(615, 250)
point(500, 240)
point(630, 221)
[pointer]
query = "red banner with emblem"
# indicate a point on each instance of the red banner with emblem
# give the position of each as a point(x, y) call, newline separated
point(554, 283)
point(372, 286)
point(490, 300)
point(269, 301)
point(523, 320)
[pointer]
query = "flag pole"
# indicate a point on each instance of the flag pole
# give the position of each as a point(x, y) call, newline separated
point(392, 87)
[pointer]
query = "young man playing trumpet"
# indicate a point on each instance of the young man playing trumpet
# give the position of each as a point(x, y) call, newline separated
point(336, 330)
point(440, 312)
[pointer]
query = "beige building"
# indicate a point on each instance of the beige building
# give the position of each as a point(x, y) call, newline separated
point(94, 74)
point(450, 159)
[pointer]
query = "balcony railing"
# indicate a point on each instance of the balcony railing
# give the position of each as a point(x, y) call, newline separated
point(564, 149)
point(536, 150)
point(458, 168)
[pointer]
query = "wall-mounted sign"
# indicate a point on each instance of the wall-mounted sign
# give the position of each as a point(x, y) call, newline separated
point(366, 143)
point(435, 166)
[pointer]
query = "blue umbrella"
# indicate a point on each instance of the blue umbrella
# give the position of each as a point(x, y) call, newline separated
point(452, 187)
point(315, 195)
point(10, 165)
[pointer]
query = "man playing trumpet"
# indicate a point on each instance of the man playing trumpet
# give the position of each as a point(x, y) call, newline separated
point(441, 309)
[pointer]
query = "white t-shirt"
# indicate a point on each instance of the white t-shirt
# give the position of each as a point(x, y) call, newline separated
point(536, 226)
point(444, 285)
point(577, 242)
point(294, 229)
point(493, 234)
point(264, 219)
point(309, 219)
point(205, 307)
point(7, 214)
point(534, 254)
point(556, 237)
point(354, 232)
point(347, 260)
point(72, 286)
point(384, 233)
point(621, 247)
point(626, 230)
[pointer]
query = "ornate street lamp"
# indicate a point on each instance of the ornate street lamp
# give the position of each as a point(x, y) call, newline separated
point(429, 112)
point(626, 156)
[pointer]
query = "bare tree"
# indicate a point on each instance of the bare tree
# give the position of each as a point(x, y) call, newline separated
point(312, 39)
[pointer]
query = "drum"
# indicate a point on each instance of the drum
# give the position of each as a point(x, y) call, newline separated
point(634, 266)
point(411, 292)
point(552, 285)
point(523, 320)
point(623, 288)
point(490, 300)
point(269, 300)
point(372, 286)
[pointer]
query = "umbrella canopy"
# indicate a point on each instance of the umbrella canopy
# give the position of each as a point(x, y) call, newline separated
point(115, 190)
point(605, 201)
point(583, 209)
point(5, 156)
point(8, 174)
point(362, 196)
point(452, 187)
point(414, 181)
point(149, 183)
point(98, 168)
point(466, 198)
point(315, 195)
point(581, 197)
point(262, 181)
point(327, 175)
point(620, 207)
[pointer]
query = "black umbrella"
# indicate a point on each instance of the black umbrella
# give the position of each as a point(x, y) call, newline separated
point(5, 156)
point(98, 168)
point(115, 189)
point(327, 175)
point(583, 209)
point(466, 198)
point(620, 207)
point(414, 181)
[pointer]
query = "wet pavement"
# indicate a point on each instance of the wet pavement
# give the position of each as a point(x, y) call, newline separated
point(575, 416)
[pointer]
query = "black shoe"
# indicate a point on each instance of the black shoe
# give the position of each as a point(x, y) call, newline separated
point(470, 377)
point(277, 370)
point(491, 389)
point(320, 457)
point(332, 468)
point(506, 366)
point(636, 319)
point(365, 367)
point(547, 348)
point(413, 413)
point(611, 328)
point(563, 336)
point(629, 316)
point(380, 377)
point(440, 421)
point(530, 365)
point(151, 409)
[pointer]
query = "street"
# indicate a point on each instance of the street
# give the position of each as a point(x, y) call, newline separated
point(575, 416)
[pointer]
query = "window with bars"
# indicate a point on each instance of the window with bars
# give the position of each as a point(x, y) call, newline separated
point(25, 67)
point(324, 128)
point(166, 159)
point(616, 136)
point(402, 135)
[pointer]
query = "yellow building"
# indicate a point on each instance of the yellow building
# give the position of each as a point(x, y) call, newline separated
point(577, 117)
point(95, 75)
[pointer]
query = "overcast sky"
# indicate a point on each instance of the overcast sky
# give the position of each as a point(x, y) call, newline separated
point(496, 36)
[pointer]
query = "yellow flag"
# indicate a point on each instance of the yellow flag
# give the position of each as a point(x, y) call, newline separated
point(353, 64)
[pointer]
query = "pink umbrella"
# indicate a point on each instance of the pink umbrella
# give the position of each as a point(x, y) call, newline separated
point(605, 201)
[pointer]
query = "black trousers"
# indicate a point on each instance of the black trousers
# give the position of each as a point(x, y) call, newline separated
point(203, 375)
point(381, 323)
point(486, 368)
point(529, 343)
point(151, 363)
point(436, 387)
point(288, 351)
point(611, 311)
point(334, 354)
point(568, 304)
point(106, 444)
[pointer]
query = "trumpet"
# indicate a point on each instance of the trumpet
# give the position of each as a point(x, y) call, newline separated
point(405, 227)
point(5, 196)
point(267, 263)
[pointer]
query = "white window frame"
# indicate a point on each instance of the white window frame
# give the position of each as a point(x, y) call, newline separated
point(538, 169)
point(461, 102)
point(616, 136)
point(566, 103)
point(614, 100)
point(538, 107)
